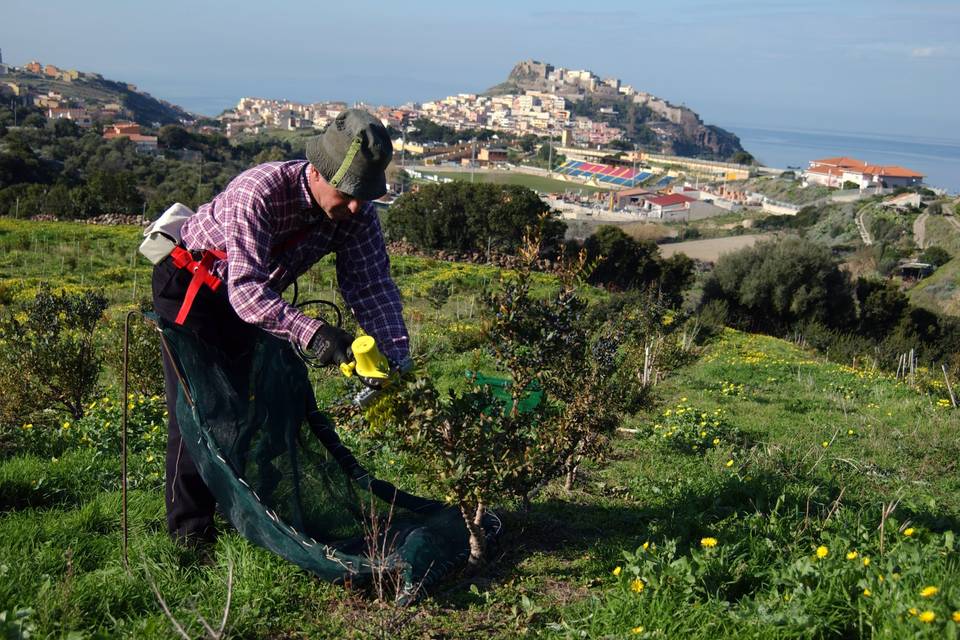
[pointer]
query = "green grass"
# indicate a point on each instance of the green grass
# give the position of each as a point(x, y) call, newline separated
point(806, 455)
point(537, 183)
point(70, 255)
point(783, 495)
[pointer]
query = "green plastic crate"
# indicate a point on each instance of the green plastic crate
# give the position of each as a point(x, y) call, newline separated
point(500, 388)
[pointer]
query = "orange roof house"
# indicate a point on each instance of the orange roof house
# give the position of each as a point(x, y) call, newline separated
point(835, 172)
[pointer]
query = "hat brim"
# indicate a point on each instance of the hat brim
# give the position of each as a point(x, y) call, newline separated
point(368, 186)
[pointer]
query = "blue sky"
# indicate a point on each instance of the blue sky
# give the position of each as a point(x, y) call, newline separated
point(875, 66)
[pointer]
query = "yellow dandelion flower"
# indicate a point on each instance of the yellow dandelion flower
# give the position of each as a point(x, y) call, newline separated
point(825, 444)
point(729, 463)
point(849, 432)
point(708, 543)
point(867, 593)
point(28, 426)
point(929, 592)
point(636, 630)
point(683, 399)
point(637, 585)
point(913, 611)
point(716, 441)
point(866, 561)
point(956, 617)
point(617, 570)
point(822, 552)
point(909, 531)
point(646, 545)
point(927, 616)
point(852, 555)
point(66, 425)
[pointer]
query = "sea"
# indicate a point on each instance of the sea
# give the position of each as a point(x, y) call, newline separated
point(937, 159)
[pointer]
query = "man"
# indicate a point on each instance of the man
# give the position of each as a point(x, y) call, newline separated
point(270, 225)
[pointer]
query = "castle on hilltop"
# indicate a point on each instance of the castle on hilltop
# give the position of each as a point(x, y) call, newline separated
point(576, 84)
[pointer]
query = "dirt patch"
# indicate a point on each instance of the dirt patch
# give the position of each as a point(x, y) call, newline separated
point(711, 250)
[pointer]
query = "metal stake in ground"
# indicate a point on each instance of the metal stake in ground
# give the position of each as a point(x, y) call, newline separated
point(123, 435)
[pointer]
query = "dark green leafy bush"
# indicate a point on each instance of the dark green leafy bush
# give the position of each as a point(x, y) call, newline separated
point(49, 360)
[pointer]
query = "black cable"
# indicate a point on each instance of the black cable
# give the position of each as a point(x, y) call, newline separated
point(308, 358)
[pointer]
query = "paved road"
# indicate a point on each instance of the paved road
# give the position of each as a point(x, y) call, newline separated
point(920, 230)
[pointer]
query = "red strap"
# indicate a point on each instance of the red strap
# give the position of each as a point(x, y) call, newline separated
point(201, 275)
point(183, 259)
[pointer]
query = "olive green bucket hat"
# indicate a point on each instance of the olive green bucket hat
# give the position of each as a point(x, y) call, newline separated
point(352, 154)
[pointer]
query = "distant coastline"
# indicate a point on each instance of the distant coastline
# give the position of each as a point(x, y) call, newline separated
point(938, 161)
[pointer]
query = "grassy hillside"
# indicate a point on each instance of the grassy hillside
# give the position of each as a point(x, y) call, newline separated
point(941, 291)
point(768, 494)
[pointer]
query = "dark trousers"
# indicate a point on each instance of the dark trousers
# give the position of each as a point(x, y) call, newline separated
point(190, 505)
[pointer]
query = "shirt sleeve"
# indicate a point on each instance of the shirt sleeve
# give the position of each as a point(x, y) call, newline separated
point(249, 234)
point(363, 273)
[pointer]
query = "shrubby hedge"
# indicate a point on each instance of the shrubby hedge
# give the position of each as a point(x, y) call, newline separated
point(462, 216)
point(796, 286)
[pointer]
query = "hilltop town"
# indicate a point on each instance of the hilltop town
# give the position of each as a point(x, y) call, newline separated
point(576, 106)
point(83, 97)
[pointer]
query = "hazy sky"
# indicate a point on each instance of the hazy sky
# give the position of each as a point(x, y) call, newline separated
point(877, 66)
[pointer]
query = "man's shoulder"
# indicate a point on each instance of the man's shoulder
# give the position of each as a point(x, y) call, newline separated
point(268, 177)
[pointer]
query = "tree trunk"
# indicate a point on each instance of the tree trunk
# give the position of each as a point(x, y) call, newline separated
point(473, 517)
point(571, 473)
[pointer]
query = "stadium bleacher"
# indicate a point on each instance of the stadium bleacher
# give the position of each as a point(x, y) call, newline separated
point(620, 176)
point(663, 182)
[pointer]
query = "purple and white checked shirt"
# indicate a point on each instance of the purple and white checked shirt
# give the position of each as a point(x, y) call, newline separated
point(263, 208)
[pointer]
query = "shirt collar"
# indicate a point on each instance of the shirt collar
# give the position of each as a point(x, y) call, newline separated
point(304, 197)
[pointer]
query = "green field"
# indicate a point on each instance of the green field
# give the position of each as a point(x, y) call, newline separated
point(537, 183)
point(768, 494)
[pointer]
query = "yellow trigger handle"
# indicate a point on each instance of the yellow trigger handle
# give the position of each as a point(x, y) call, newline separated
point(368, 362)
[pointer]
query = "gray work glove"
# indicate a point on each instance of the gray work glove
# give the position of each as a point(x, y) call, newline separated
point(331, 345)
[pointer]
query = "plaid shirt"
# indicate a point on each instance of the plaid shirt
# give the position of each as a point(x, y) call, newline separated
point(270, 205)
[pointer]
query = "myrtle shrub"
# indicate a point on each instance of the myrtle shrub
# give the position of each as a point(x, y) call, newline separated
point(48, 362)
point(477, 450)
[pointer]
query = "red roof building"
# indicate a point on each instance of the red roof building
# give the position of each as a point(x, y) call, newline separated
point(835, 172)
point(131, 130)
point(664, 206)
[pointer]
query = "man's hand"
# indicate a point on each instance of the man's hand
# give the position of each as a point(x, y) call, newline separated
point(331, 345)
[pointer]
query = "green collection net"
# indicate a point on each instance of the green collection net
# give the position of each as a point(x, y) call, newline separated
point(284, 479)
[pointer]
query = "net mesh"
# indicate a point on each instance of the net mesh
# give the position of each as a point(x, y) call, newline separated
point(284, 479)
